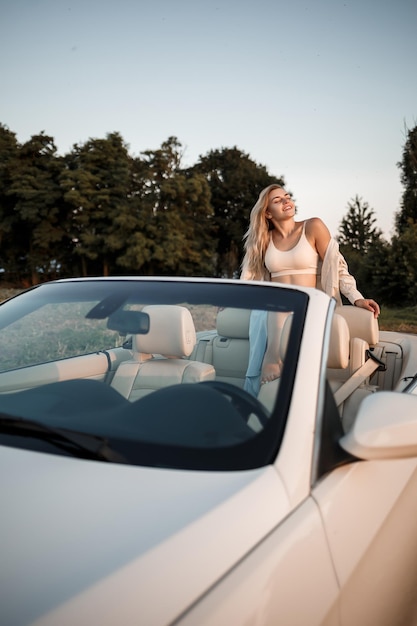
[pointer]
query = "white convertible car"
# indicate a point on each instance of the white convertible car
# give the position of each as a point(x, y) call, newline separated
point(141, 484)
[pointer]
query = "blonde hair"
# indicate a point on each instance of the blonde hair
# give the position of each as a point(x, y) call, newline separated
point(256, 238)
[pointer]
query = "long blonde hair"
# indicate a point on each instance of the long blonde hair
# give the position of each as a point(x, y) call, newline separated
point(256, 238)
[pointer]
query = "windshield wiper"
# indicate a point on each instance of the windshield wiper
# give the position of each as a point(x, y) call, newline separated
point(79, 444)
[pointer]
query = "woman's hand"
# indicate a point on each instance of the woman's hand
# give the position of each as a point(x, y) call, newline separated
point(371, 305)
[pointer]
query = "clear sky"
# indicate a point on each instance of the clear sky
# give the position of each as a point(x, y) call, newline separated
point(320, 92)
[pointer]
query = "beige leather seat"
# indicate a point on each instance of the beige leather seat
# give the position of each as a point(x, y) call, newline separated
point(160, 356)
point(339, 348)
point(361, 323)
point(227, 349)
point(338, 357)
point(347, 354)
point(363, 330)
point(363, 326)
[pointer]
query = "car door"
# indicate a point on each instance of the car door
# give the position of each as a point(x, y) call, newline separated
point(288, 579)
point(369, 510)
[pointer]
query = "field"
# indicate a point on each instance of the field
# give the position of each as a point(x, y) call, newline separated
point(8, 292)
point(401, 320)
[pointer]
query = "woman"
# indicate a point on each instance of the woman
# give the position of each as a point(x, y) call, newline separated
point(280, 249)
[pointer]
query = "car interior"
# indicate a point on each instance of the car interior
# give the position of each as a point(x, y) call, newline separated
point(361, 359)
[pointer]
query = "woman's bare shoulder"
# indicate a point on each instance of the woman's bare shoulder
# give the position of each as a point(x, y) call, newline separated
point(315, 226)
point(314, 221)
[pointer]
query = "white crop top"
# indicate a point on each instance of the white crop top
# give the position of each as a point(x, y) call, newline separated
point(301, 259)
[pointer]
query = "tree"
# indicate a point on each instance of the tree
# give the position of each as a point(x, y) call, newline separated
point(96, 184)
point(374, 272)
point(357, 229)
point(408, 167)
point(235, 181)
point(362, 245)
point(9, 152)
point(40, 228)
point(173, 213)
point(164, 162)
point(401, 276)
point(184, 244)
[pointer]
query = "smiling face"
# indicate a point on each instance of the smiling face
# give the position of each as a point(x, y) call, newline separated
point(280, 205)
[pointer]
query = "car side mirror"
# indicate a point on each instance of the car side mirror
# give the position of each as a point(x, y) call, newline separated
point(385, 427)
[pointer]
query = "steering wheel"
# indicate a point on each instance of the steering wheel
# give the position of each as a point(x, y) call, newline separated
point(244, 402)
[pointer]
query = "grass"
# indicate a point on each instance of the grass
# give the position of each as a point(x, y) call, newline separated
point(8, 292)
point(401, 320)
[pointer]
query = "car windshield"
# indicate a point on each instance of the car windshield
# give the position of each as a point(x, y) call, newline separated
point(147, 371)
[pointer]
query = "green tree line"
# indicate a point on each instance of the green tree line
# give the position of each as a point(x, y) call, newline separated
point(98, 210)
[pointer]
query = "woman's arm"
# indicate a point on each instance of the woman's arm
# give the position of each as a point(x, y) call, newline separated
point(318, 234)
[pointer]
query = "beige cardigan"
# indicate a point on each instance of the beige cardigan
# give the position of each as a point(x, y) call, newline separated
point(334, 277)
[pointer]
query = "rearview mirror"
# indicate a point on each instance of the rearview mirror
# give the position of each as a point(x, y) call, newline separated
point(129, 322)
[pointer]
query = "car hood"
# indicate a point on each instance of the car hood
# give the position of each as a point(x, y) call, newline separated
point(87, 542)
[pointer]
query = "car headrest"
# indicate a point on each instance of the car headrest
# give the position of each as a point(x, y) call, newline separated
point(171, 331)
point(361, 323)
point(233, 323)
point(338, 357)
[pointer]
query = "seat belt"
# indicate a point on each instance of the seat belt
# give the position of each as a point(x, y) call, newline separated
point(358, 377)
point(391, 358)
point(203, 350)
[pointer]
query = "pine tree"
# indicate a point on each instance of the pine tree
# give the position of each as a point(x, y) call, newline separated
point(357, 230)
point(408, 212)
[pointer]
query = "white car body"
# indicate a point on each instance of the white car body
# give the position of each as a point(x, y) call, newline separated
point(86, 542)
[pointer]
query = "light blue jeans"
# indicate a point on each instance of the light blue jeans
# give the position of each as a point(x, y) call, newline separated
point(258, 337)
